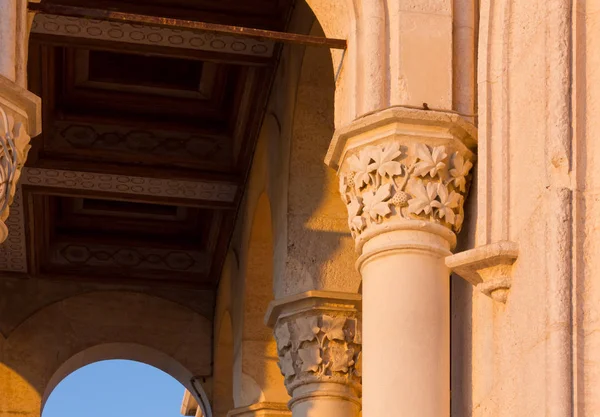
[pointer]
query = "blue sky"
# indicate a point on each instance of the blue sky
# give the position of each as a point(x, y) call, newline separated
point(116, 388)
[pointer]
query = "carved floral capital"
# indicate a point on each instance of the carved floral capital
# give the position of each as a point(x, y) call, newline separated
point(319, 348)
point(319, 340)
point(404, 165)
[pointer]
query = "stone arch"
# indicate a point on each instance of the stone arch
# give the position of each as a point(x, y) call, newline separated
point(134, 352)
point(100, 325)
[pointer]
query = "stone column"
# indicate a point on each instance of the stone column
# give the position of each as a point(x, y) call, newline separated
point(404, 175)
point(319, 346)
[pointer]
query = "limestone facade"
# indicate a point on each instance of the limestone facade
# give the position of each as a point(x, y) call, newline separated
point(419, 234)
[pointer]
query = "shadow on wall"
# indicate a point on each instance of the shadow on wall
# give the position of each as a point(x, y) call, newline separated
point(320, 250)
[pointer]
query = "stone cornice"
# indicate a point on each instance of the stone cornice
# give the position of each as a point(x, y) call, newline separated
point(311, 300)
point(412, 122)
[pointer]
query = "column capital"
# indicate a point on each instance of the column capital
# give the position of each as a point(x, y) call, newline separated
point(20, 119)
point(319, 341)
point(404, 169)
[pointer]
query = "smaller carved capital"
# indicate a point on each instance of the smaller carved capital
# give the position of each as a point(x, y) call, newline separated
point(401, 167)
point(488, 268)
point(318, 338)
point(20, 118)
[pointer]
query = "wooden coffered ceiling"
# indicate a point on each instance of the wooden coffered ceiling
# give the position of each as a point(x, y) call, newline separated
point(147, 137)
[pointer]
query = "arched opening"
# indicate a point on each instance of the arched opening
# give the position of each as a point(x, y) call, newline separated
point(97, 326)
point(115, 388)
point(129, 352)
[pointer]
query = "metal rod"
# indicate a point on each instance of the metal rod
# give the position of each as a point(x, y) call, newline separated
point(83, 12)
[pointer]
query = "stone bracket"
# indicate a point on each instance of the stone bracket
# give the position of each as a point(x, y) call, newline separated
point(489, 268)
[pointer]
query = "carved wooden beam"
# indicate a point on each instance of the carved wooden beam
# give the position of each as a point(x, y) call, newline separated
point(285, 37)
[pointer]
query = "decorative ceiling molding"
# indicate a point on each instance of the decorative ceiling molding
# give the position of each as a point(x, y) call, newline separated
point(155, 187)
point(149, 35)
point(13, 252)
point(98, 255)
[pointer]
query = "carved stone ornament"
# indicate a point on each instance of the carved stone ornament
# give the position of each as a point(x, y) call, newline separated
point(420, 182)
point(318, 336)
point(401, 165)
point(20, 118)
point(14, 147)
point(319, 348)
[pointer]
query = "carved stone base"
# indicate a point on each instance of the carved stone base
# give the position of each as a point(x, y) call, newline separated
point(489, 268)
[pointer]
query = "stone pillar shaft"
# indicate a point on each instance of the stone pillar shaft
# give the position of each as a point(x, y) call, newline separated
point(404, 175)
point(406, 324)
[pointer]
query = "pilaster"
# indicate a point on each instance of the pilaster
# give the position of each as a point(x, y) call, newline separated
point(319, 345)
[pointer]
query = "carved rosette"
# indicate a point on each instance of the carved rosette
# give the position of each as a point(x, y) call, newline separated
point(320, 348)
point(415, 181)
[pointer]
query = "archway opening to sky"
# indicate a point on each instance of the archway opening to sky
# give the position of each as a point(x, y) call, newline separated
point(116, 388)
